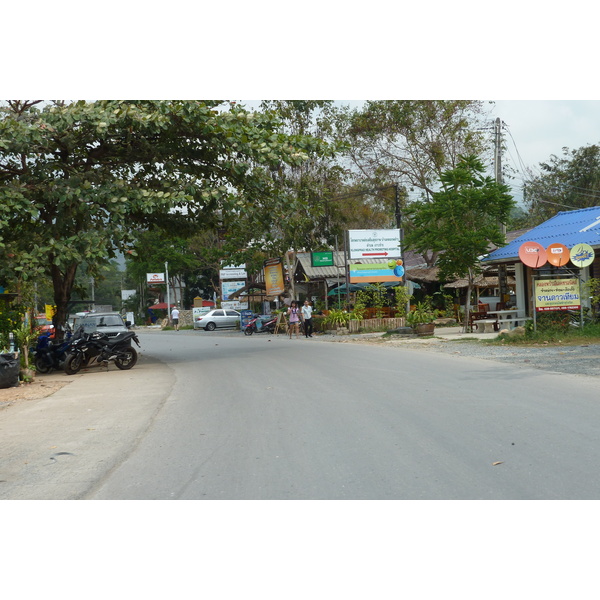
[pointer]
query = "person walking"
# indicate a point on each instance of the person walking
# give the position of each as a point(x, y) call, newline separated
point(307, 316)
point(175, 318)
point(294, 315)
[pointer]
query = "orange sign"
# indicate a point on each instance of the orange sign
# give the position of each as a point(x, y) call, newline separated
point(274, 277)
point(532, 254)
point(558, 254)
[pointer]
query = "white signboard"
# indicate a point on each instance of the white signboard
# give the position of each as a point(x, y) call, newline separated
point(235, 305)
point(155, 277)
point(233, 274)
point(228, 287)
point(198, 311)
point(374, 243)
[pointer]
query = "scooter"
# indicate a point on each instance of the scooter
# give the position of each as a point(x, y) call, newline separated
point(98, 348)
point(48, 355)
point(259, 325)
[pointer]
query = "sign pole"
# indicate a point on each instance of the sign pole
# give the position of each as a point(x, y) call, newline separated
point(168, 293)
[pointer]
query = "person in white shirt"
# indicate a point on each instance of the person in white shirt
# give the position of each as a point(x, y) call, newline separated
point(175, 318)
point(307, 314)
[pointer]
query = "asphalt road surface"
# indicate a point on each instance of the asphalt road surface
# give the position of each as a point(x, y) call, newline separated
point(266, 417)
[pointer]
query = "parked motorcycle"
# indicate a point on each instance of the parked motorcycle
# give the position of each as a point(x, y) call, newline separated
point(97, 348)
point(49, 355)
point(260, 325)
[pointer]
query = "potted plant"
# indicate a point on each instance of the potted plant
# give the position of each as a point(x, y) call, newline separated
point(421, 319)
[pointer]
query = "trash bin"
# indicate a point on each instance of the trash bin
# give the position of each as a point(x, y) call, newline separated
point(9, 370)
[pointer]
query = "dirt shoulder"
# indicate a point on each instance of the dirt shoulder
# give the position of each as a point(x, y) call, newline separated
point(40, 387)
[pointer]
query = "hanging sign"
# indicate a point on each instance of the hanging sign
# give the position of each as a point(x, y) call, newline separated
point(582, 255)
point(274, 283)
point(532, 254)
point(557, 254)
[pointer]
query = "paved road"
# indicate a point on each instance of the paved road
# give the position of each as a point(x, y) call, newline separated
point(224, 416)
point(273, 418)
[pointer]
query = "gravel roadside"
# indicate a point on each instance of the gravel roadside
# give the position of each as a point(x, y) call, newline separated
point(582, 359)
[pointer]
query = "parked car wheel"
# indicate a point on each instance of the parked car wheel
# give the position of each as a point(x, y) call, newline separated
point(210, 327)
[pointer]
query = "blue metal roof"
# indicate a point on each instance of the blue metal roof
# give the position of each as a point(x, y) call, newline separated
point(567, 227)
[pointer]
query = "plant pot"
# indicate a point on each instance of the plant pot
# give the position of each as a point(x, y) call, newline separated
point(425, 329)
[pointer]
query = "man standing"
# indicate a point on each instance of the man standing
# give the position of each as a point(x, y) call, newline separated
point(175, 318)
point(307, 314)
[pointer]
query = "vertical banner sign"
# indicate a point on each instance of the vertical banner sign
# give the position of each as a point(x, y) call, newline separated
point(274, 276)
point(50, 311)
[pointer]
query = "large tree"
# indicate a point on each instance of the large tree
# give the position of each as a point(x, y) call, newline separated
point(564, 183)
point(461, 221)
point(410, 143)
point(79, 180)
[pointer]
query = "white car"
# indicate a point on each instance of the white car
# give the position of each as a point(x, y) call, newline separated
point(218, 317)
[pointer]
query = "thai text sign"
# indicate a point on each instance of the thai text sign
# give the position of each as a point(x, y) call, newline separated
point(374, 243)
point(557, 294)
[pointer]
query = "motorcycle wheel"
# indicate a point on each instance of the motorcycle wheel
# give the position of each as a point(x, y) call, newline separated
point(73, 363)
point(41, 366)
point(127, 359)
point(249, 330)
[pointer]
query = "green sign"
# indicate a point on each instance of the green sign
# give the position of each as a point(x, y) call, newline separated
point(321, 259)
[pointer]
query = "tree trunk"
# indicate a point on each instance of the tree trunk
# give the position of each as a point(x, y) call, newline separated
point(467, 308)
point(62, 282)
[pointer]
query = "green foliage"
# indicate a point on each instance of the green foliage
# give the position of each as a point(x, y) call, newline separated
point(592, 287)
point(80, 180)
point(401, 297)
point(413, 140)
point(337, 318)
point(360, 306)
point(563, 336)
point(462, 220)
point(572, 180)
point(421, 315)
point(24, 338)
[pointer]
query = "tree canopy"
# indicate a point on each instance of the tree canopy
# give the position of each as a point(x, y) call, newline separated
point(78, 180)
point(565, 183)
point(462, 220)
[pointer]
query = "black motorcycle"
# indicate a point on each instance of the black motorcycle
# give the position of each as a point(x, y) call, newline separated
point(98, 348)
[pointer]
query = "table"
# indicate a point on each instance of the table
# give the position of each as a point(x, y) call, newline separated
point(508, 317)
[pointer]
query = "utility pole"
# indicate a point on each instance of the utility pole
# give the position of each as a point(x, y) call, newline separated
point(502, 271)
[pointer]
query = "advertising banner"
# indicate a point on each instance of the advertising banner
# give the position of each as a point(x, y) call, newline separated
point(228, 287)
point(155, 277)
point(274, 277)
point(391, 270)
point(557, 294)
